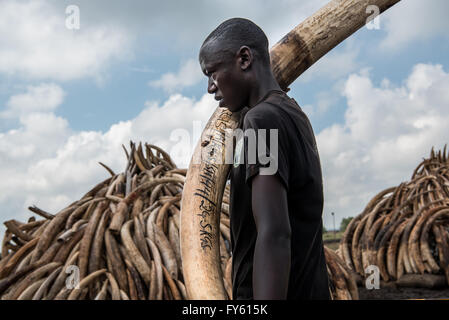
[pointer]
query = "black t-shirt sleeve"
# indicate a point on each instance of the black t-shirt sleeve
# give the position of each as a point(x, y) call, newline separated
point(262, 129)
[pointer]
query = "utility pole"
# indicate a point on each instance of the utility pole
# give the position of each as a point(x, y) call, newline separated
point(335, 231)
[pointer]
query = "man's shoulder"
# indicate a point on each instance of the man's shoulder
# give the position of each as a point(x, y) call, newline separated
point(277, 111)
point(264, 112)
point(262, 108)
point(276, 103)
point(261, 116)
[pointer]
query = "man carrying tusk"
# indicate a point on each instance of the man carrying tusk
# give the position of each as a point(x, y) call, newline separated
point(276, 198)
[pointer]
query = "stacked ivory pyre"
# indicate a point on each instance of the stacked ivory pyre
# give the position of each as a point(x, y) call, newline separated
point(120, 240)
point(404, 230)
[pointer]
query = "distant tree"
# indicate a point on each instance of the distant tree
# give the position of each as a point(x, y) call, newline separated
point(324, 229)
point(344, 223)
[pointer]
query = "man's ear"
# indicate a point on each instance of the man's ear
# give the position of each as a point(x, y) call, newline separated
point(244, 57)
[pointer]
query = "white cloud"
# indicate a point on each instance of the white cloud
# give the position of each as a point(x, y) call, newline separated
point(188, 75)
point(44, 162)
point(336, 64)
point(326, 99)
point(414, 20)
point(187, 23)
point(38, 136)
point(43, 97)
point(36, 44)
point(387, 132)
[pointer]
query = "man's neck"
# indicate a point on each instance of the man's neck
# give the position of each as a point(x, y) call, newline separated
point(263, 83)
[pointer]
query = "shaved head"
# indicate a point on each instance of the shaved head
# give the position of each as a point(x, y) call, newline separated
point(234, 33)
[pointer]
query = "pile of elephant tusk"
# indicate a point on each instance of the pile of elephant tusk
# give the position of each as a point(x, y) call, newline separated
point(343, 285)
point(404, 230)
point(119, 241)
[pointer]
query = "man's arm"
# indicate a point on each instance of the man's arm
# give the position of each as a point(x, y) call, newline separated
point(272, 255)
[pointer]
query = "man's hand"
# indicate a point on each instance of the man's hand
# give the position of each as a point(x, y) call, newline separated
point(272, 255)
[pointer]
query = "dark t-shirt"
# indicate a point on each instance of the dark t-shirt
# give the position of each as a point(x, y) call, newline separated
point(300, 171)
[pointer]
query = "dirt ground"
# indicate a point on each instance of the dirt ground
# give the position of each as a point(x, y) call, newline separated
point(397, 293)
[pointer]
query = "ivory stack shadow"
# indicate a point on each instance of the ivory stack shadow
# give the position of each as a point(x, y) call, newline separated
point(404, 230)
point(123, 238)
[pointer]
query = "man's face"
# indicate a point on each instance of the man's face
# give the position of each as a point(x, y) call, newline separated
point(225, 79)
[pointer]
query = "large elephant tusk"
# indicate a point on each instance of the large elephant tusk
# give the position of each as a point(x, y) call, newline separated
point(208, 170)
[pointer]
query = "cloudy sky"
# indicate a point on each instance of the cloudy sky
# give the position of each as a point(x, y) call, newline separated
point(70, 97)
